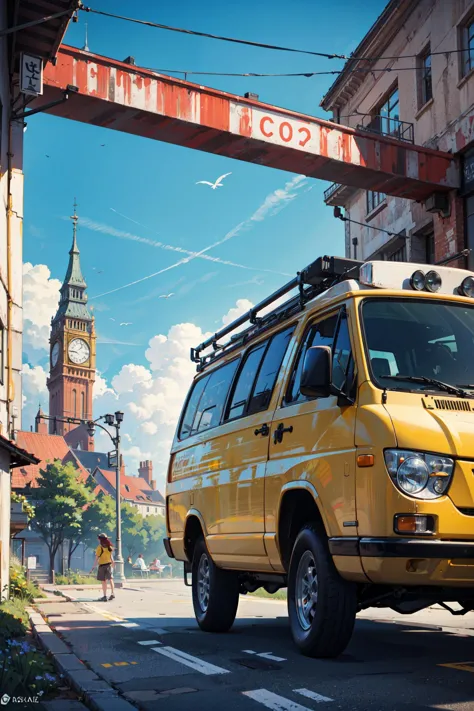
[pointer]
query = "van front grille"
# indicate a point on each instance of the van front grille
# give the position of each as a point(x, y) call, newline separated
point(459, 405)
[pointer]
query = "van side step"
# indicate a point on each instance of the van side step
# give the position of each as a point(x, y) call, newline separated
point(187, 568)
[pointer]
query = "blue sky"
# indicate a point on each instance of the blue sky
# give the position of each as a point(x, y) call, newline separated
point(154, 183)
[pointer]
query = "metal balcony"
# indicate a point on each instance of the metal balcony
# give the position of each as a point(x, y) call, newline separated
point(337, 195)
point(390, 127)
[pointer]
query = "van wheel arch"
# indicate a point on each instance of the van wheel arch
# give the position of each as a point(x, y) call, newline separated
point(297, 508)
point(192, 533)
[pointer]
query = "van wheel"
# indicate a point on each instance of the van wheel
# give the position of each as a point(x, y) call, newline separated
point(215, 592)
point(321, 604)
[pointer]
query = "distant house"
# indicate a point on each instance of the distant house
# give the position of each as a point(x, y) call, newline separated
point(134, 490)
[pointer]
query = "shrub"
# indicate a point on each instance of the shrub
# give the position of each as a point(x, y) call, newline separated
point(75, 577)
point(20, 586)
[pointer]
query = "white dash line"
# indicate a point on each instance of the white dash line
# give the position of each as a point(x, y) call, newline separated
point(312, 695)
point(265, 655)
point(126, 624)
point(190, 661)
point(273, 701)
point(146, 642)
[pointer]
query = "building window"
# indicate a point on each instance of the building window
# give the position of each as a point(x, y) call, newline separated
point(374, 200)
point(389, 115)
point(74, 403)
point(425, 83)
point(83, 406)
point(468, 47)
point(400, 255)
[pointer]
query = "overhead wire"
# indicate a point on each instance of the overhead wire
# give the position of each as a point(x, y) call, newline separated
point(261, 45)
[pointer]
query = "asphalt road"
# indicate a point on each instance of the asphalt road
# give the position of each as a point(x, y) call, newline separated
point(147, 644)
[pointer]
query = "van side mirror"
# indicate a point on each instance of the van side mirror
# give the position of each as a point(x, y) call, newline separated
point(316, 376)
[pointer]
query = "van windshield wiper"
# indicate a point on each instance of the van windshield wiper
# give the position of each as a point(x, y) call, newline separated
point(452, 389)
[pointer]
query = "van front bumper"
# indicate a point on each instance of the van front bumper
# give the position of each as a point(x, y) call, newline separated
point(407, 561)
point(401, 548)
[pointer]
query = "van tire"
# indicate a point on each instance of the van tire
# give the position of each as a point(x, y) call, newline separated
point(215, 603)
point(326, 629)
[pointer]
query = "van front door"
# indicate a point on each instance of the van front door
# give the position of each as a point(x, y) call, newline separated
point(312, 443)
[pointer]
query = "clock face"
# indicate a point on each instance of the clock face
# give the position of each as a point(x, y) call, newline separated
point(55, 354)
point(78, 351)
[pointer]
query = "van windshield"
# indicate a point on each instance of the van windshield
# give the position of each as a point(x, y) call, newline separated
point(419, 338)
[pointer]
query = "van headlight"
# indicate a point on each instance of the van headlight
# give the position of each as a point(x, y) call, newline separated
point(418, 474)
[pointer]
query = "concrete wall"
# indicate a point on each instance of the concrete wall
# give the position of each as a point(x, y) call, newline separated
point(444, 123)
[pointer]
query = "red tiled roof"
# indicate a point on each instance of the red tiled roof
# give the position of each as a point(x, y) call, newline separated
point(132, 488)
point(46, 448)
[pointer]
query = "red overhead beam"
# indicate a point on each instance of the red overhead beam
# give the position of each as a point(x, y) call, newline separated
point(127, 98)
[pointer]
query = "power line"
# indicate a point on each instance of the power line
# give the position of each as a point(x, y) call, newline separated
point(261, 45)
point(260, 75)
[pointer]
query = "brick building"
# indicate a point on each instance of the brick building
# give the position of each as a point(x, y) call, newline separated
point(423, 94)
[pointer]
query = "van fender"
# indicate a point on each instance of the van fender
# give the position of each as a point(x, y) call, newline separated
point(307, 486)
point(197, 514)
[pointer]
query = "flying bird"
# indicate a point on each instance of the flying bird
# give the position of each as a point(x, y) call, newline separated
point(166, 296)
point(46, 156)
point(217, 184)
point(112, 319)
point(126, 323)
point(99, 271)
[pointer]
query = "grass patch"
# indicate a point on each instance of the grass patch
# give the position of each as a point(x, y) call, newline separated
point(279, 595)
point(76, 578)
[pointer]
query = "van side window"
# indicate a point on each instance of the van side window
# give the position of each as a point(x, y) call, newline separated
point(269, 370)
point(319, 334)
point(191, 407)
point(342, 360)
point(209, 411)
point(245, 382)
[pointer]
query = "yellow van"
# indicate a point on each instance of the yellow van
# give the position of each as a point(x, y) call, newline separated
point(328, 447)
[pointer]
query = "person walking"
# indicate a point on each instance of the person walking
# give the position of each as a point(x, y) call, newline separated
point(105, 563)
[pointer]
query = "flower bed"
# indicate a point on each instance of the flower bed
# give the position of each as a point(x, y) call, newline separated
point(24, 670)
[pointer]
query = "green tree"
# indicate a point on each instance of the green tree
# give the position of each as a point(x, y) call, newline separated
point(59, 500)
point(98, 515)
point(134, 534)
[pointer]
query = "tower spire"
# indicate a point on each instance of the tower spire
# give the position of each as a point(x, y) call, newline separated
point(74, 219)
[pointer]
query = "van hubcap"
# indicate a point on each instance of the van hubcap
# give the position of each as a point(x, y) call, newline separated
point(306, 590)
point(203, 582)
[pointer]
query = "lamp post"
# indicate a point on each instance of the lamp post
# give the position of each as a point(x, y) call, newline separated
point(114, 422)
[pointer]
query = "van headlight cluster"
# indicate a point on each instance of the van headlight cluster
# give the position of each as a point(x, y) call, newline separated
point(418, 474)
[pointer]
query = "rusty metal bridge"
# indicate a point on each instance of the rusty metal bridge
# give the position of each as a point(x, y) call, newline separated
point(135, 100)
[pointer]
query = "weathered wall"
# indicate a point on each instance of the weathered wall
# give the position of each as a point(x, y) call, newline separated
point(444, 123)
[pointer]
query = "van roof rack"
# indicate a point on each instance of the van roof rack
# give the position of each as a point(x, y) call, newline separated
point(318, 276)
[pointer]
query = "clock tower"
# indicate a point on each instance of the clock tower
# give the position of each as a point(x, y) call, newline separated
point(72, 353)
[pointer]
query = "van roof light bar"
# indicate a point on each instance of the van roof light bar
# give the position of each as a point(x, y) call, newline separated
point(316, 277)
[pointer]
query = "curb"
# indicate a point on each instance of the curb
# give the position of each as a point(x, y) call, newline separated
point(94, 691)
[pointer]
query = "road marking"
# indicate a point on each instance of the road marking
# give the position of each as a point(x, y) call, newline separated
point(126, 624)
point(146, 642)
point(190, 661)
point(265, 655)
point(107, 666)
point(312, 695)
point(273, 701)
point(120, 664)
point(460, 666)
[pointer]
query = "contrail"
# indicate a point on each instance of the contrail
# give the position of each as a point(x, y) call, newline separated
point(271, 205)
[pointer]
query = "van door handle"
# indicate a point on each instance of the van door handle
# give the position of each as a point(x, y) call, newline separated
point(264, 431)
point(279, 432)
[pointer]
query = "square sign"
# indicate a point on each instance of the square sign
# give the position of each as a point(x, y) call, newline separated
point(31, 74)
point(31, 563)
point(112, 458)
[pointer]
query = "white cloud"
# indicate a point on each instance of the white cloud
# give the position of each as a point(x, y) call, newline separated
point(241, 307)
point(149, 428)
point(278, 200)
point(100, 386)
point(129, 376)
point(34, 393)
point(40, 302)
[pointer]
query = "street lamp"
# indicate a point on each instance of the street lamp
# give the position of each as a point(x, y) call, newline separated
point(115, 422)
